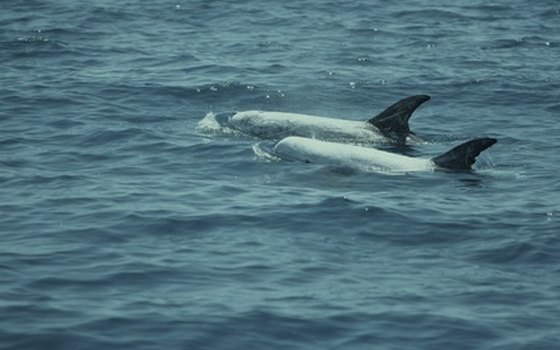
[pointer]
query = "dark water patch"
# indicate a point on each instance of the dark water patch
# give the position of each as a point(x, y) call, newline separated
point(274, 331)
point(26, 312)
point(415, 329)
point(553, 108)
point(62, 339)
point(14, 143)
point(178, 60)
point(186, 225)
point(550, 13)
point(532, 42)
point(493, 298)
point(417, 232)
point(135, 170)
point(108, 14)
point(517, 252)
point(228, 72)
point(350, 218)
point(434, 14)
point(102, 138)
point(134, 275)
point(66, 124)
point(56, 180)
point(344, 331)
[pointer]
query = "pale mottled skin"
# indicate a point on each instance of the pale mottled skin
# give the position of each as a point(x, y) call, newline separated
point(277, 125)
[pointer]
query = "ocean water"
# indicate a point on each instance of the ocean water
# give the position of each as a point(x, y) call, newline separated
point(126, 225)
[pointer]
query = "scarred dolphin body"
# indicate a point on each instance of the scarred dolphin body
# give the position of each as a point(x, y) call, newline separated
point(390, 126)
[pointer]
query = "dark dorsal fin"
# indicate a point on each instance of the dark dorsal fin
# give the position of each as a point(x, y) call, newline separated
point(463, 156)
point(393, 122)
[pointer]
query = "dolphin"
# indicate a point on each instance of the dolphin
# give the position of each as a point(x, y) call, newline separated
point(308, 150)
point(390, 126)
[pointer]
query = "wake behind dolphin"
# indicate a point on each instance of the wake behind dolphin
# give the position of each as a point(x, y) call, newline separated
point(391, 125)
point(308, 150)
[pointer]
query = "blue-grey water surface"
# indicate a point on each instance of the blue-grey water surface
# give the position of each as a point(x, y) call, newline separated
point(124, 225)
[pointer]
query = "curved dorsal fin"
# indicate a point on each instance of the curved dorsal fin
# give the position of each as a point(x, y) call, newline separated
point(393, 122)
point(463, 156)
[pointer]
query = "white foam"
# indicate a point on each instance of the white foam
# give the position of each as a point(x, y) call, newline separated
point(210, 125)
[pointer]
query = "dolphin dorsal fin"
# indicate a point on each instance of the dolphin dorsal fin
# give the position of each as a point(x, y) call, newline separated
point(463, 156)
point(393, 122)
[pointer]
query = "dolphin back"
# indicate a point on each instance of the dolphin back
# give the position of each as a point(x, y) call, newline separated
point(393, 122)
point(463, 156)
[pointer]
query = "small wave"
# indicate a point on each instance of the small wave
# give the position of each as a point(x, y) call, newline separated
point(523, 42)
point(552, 13)
point(102, 137)
point(63, 180)
point(555, 108)
point(430, 13)
point(502, 44)
point(510, 252)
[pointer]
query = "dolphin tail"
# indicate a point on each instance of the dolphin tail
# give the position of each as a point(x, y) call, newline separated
point(462, 157)
point(393, 122)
